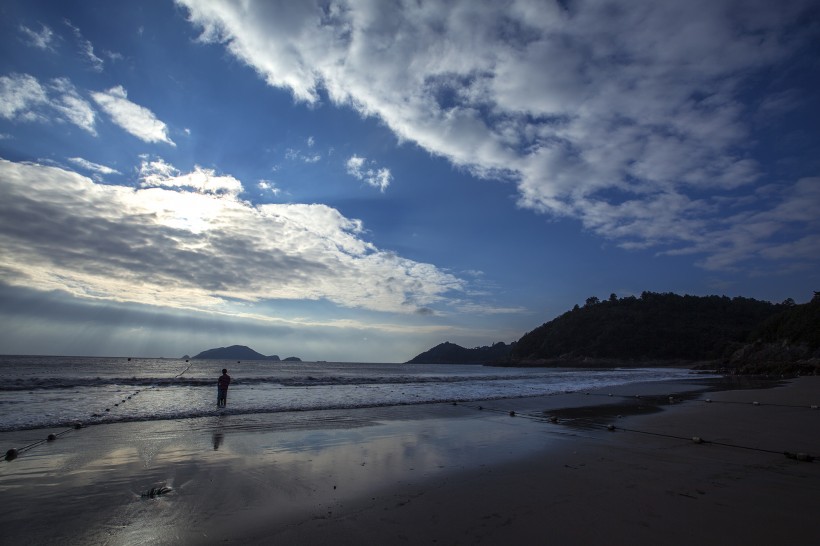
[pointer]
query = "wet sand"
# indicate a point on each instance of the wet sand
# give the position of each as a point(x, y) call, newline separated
point(437, 474)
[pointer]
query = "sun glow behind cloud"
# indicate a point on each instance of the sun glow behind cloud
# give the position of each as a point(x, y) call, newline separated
point(185, 240)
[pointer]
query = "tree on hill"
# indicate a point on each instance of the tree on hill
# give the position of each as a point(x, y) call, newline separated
point(786, 343)
point(654, 326)
point(797, 324)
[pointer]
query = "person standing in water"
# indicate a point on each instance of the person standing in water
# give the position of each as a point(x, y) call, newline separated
point(222, 389)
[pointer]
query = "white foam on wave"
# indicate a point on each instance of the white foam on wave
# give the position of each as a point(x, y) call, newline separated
point(260, 388)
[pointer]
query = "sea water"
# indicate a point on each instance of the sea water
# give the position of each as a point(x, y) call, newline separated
point(50, 391)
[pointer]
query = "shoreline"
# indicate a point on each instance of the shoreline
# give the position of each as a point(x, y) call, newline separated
point(439, 473)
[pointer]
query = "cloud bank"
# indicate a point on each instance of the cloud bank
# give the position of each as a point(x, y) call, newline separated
point(186, 241)
point(629, 117)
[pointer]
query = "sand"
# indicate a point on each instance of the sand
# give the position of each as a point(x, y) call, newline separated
point(438, 474)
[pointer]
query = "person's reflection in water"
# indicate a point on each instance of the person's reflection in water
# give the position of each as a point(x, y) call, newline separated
point(218, 437)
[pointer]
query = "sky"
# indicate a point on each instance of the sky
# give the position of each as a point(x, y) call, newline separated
point(363, 180)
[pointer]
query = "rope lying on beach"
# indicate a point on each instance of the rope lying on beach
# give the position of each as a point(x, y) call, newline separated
point(545, 418)
point(14, 452)
point(706, 400)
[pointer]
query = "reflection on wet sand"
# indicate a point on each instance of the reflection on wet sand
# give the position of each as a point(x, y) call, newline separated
point(93, 493)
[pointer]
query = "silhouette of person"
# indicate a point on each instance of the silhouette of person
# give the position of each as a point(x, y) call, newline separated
point(222, 389)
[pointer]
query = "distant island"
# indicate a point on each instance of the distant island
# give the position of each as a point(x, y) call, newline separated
point(450, 353)
point(240, 352)
point(737, 335)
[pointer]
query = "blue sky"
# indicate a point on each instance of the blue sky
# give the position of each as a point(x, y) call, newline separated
point(360, 181)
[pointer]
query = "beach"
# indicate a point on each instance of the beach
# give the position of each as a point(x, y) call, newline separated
point(495, 472)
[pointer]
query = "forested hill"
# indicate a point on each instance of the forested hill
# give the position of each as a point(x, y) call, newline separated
point(788, 342)
point(652, 327)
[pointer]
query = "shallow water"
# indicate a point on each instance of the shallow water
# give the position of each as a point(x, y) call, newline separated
point(42, 392)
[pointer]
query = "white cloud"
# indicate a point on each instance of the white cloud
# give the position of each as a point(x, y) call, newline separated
point(192, 250)
point(73, 107)
point(268, 186)
point(378, 178)
point(91, 166)
point(23, 98)
point(20, 94)
point(354, 165)
point(86, 48)
point(136, 119)
point(158, 173)
point(40, 40)
point(596, 109)
point(297, 155)
point(113, 55)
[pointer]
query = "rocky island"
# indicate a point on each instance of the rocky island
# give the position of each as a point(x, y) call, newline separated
point(240, 352)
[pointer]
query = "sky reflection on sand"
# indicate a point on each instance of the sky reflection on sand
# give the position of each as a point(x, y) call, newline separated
point(88, 487)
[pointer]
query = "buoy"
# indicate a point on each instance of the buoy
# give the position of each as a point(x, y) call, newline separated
point(455, 403)
point(512, 413)
point(481, 407)
point(697, 439)
point(107, 409)
point(51, 437)
point(610, 427)
point(804, 457)
point(11, 454)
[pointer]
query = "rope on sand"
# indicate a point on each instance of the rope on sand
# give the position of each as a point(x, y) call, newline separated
point(799, 456)
point(698, 440)
point(705, 400)
point(14, 452)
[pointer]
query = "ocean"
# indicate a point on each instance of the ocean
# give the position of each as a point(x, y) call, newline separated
point(51, 391)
